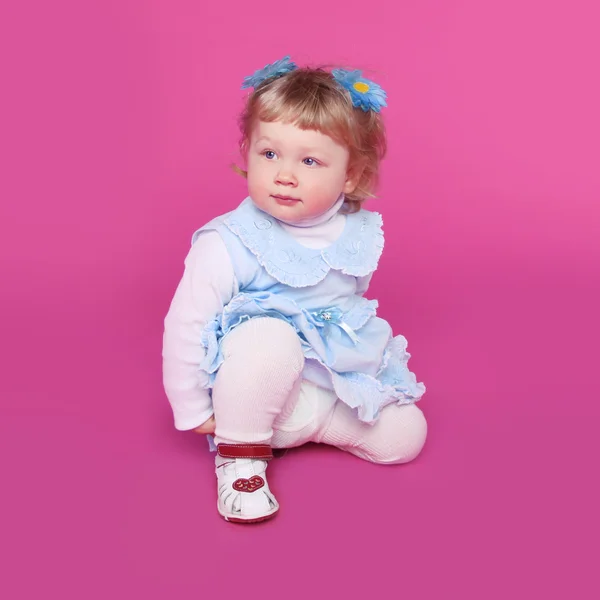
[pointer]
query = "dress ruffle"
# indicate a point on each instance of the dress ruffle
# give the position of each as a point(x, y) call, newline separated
point(348, 345)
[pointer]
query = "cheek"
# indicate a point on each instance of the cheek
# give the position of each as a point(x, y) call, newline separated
point(331, 183)
point(257, 180)
point(252, 170)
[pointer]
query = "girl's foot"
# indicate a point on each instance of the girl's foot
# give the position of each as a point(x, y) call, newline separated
point(244, 494)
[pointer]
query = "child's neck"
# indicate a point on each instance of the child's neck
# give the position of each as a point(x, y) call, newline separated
point(319, 219)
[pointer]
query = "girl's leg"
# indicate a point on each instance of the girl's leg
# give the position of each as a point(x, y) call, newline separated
point(263, 360)
point(396, 437)
point(308, 407)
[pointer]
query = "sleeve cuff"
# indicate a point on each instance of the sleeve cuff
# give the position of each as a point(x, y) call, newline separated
point(187, 422)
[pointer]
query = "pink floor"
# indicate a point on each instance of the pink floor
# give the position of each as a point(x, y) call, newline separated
point(491, 270)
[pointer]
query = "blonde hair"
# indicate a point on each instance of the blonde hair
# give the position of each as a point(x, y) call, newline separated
point(310, 98)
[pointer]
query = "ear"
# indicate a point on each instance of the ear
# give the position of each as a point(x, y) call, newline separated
point(244, 146)
point(353, 175)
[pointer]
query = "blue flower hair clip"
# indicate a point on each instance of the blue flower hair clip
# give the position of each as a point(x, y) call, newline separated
point(365, 94)
point(276, 69)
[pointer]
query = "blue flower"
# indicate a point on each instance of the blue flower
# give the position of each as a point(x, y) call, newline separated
point(278, 68)
point(365, 94)
point(335, 315)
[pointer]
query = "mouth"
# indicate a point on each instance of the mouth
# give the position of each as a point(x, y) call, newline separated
point(287, 200)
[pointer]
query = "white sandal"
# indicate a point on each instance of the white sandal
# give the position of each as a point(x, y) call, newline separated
point(244, 494)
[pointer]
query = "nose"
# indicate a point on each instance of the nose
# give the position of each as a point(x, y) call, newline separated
point(285, 176)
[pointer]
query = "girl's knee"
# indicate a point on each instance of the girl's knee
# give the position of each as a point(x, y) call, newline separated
point(398, 437)
point(265, 342)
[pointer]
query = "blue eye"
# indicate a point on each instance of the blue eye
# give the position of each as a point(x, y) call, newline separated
point(310, 162)
point(269, 154)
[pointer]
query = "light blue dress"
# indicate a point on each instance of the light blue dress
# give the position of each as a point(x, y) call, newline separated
point(348, 349)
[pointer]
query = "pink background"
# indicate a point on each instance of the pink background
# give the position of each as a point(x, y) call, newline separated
point(118, 126)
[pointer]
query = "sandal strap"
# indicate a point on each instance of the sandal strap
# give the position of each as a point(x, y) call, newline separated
point(258, 451)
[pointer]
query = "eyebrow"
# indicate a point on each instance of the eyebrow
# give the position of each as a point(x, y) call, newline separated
point(307, 150)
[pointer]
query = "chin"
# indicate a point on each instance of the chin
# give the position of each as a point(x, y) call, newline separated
point(286, 213)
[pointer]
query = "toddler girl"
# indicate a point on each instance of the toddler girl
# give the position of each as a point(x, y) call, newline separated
point(269, 341)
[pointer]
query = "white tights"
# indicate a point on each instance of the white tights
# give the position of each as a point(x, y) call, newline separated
point(260, 397)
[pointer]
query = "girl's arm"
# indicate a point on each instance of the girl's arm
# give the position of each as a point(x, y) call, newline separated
point(207, 285)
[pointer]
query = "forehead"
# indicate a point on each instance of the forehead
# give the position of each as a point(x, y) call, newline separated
point(288, 134)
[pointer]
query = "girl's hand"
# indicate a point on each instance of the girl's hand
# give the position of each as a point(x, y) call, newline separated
point(207, 426)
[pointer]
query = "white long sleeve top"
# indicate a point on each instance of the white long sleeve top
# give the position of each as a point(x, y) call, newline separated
point(207, 285)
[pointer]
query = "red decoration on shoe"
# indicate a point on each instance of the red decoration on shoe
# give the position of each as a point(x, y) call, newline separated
point(260, 451)
point(248, 485)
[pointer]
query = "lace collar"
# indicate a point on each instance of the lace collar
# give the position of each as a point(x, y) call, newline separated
point(356, 252)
